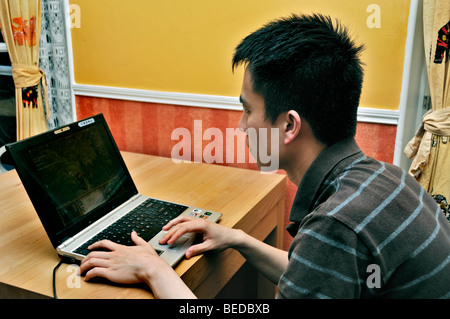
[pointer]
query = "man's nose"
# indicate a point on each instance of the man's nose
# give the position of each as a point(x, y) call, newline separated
point(243, 123)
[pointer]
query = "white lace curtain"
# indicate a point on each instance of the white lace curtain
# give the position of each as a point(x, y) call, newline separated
point(53, 59)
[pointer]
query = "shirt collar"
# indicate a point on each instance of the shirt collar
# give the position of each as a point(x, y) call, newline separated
point(314, 177)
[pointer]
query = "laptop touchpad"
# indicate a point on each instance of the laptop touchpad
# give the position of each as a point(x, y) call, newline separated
point(180, 241)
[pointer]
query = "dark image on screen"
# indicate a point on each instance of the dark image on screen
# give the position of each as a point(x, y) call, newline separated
point(65, 172)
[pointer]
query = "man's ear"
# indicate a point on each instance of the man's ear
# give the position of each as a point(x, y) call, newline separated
point(292, 126)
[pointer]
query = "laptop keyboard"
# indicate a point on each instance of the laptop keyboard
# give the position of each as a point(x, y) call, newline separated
point(147, 220)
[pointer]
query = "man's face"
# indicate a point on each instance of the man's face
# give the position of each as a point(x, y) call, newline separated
point(262, 136)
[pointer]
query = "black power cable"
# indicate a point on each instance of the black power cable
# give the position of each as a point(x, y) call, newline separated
point(54, 278)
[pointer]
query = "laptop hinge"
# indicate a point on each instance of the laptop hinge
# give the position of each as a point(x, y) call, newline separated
point(66, 243)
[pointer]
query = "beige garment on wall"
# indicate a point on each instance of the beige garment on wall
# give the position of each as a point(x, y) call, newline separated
point(430, 148)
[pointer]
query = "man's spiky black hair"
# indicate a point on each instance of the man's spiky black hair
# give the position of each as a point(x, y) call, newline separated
point(309, 64)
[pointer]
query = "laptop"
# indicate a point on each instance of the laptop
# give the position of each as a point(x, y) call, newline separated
point(82, 192)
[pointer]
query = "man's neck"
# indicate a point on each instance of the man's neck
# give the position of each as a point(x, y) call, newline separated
point(302, 160)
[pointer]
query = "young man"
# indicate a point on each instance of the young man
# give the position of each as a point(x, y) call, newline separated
point(361, 228)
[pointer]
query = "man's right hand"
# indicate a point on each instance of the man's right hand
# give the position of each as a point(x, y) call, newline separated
point(215, 236)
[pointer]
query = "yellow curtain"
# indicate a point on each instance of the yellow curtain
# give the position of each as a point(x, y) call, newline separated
point(20, 23)
point(430, 148)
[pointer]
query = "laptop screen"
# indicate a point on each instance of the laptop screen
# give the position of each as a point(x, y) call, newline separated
point(73, 175)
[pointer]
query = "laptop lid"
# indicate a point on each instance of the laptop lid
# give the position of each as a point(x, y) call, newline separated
point(74, 175)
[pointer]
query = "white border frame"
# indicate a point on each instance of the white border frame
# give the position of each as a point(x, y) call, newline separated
point(209, 101)
point(414, 84)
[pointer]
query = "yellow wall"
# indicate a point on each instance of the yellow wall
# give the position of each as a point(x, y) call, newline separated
point(187, 45)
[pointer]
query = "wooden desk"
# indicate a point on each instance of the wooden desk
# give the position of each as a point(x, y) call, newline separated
point(248, 200)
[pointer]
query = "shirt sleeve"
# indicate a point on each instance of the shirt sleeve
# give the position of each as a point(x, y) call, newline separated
point(326, 260)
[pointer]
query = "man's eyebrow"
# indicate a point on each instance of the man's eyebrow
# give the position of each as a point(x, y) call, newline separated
point(242, 100)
